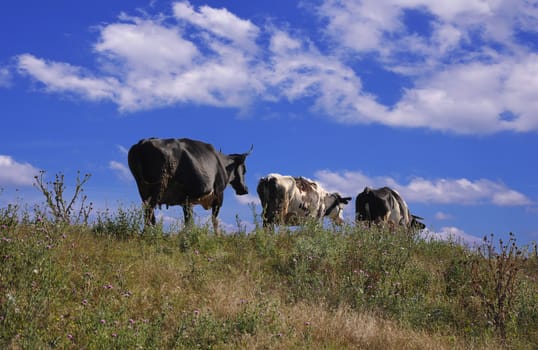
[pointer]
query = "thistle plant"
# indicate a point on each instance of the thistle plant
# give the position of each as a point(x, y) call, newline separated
point(63, 209)
point(493, 280)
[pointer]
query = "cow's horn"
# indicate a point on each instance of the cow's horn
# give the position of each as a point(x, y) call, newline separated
point(250, 150)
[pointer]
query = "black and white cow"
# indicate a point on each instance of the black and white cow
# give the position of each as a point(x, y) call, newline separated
point(184, 172)
point(385, 205)
point(289, 200)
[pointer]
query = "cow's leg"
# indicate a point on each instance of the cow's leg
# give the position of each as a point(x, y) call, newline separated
point(283, 212)
point(214, 219)
point(268, 218)
point(187, 215)
point(149, 213)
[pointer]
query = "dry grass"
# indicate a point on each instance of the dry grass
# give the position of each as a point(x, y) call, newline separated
point(208, 292)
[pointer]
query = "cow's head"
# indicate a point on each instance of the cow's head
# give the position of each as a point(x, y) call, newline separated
point(237, 179)
point(334, 204)
point(415, 223)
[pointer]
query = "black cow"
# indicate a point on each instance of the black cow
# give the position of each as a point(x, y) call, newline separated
point(385, 205)
point(185, 172)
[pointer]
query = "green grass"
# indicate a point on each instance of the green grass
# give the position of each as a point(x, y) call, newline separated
point(110, 285)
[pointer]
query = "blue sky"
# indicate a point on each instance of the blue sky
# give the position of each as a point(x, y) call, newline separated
point(437, 99)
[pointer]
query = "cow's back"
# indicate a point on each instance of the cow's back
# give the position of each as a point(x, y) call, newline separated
point(307, 198)
point(382, 205)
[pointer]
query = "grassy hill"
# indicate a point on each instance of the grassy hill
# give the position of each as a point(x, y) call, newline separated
point(66, 283)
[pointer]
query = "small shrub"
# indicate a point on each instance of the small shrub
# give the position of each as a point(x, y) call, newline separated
point(121, 225)
point(9, 216)
point(493, 280)
point(63, 210)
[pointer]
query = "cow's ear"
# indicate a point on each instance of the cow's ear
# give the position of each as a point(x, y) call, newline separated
point(346, 200)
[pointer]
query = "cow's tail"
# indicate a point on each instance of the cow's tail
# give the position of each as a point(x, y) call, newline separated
point(150, 187)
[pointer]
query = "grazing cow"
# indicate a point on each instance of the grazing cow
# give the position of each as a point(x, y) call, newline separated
point(185, 172)
point(288, 200)
point(385, 205)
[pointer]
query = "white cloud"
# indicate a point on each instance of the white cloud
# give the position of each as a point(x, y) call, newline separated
point(15, 173)
point(470, 97)
point(220, 22)
point(123, 150)
point(442, 216)
point(5, 77)
point(62, 77)
point(380, 25)
point(248, 199)
point(146, 46)
point(298, 70)
point(454, 234)
point(147, 64)
point(121, 170)
point(420, 190)
point(467, 70)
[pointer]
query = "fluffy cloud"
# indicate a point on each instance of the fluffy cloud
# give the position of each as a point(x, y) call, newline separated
point(443, 191)
point(467, 71)
point(473, 96)
point(453, 234)
point(220, 22)
point(462, 82)
point(62, 77)
point(15, 173)
point(381, 26)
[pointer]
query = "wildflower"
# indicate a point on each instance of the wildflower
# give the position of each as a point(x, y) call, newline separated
point(114, 335)
point(70, 336)
point(84, 302)
point(196, 312)
point(131, 321)
point(108, 286)
point(196, 252)
point(103, 321)
point(307, 323)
